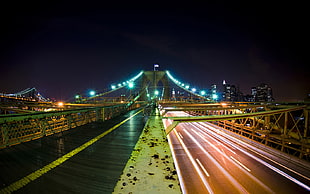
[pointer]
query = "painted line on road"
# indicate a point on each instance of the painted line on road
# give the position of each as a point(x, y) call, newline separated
point(233, 181)
point(180, 135)
point(203, 168)
point(244, 146)
point(240, 164)
point(191, 159)
point(251, 148)
point(31, 177)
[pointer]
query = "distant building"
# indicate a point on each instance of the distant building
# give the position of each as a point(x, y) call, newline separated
point(248, 98)
point(231, 93)
point(262, 93)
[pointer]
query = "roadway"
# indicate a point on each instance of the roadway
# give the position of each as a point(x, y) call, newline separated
point(210, 161)
point(59, 168)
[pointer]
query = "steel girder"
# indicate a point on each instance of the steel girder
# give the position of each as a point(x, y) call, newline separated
point(282, 127)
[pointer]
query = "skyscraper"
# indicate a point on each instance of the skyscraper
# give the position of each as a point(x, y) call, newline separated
point(230, 92)
point(262, 93)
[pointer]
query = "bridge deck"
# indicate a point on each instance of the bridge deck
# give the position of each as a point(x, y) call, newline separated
point(95, 169)
point(151, 167)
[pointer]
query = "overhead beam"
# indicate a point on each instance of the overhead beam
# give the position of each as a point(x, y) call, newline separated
point(232, 117)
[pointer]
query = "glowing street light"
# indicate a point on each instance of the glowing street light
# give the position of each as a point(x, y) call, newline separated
point(193, 89)
point(187, 86)
point(202, 92)
point(113, 87)
point(92, 93)
point(156, 92)
point(77, 96)
point(214, 96)
point(130, 85)
point(60, 104)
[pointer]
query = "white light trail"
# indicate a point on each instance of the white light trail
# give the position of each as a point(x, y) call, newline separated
point(229, 159)
point(243, 144)
point(222, 144)
point(181, 179)
point(240, 164)
point(205, 182)
point(180, 135)
point(236, 184)
point(203, 168)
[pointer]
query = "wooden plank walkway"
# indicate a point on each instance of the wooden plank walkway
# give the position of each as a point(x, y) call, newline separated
point(96, 169)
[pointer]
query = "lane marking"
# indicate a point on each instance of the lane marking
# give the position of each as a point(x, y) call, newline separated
point(38, 173)
point(197, 126)
point(180, 135)
point(177, 165)
point(191, 159)
point(251, 148)
point(243, 147)
point(203, 168)
point(232, 180)
point(240, 164)
point(240, 167)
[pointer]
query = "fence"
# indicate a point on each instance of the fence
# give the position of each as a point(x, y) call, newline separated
point(18, 128)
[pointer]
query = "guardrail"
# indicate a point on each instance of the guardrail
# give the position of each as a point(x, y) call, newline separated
point(18, 128)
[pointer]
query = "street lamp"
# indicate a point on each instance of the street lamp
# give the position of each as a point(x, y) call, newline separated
point(130, 85)
point(92, 93)
point(215, 96)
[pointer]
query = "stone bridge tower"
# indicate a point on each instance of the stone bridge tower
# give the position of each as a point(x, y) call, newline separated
point(156, 81)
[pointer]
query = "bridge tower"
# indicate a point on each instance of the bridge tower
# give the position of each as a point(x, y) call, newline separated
point(157, 81)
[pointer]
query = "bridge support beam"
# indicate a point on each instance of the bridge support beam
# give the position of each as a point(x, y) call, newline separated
point(171, 126)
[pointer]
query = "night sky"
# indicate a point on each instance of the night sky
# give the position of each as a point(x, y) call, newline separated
point(67, 48)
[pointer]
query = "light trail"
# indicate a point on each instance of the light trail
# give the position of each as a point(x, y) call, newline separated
point(177, 167)
point(180, 135)
point(205, 182)
point(203, 168)
point(240, 164)
point(220, 143)
point(235, 183)
point(221, 151)
point(263, 162)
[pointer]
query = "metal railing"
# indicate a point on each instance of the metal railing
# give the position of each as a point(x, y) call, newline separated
point(18, 128)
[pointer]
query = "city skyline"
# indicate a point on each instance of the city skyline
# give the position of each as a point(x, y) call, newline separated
point(177, 90)
point(63, 50)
